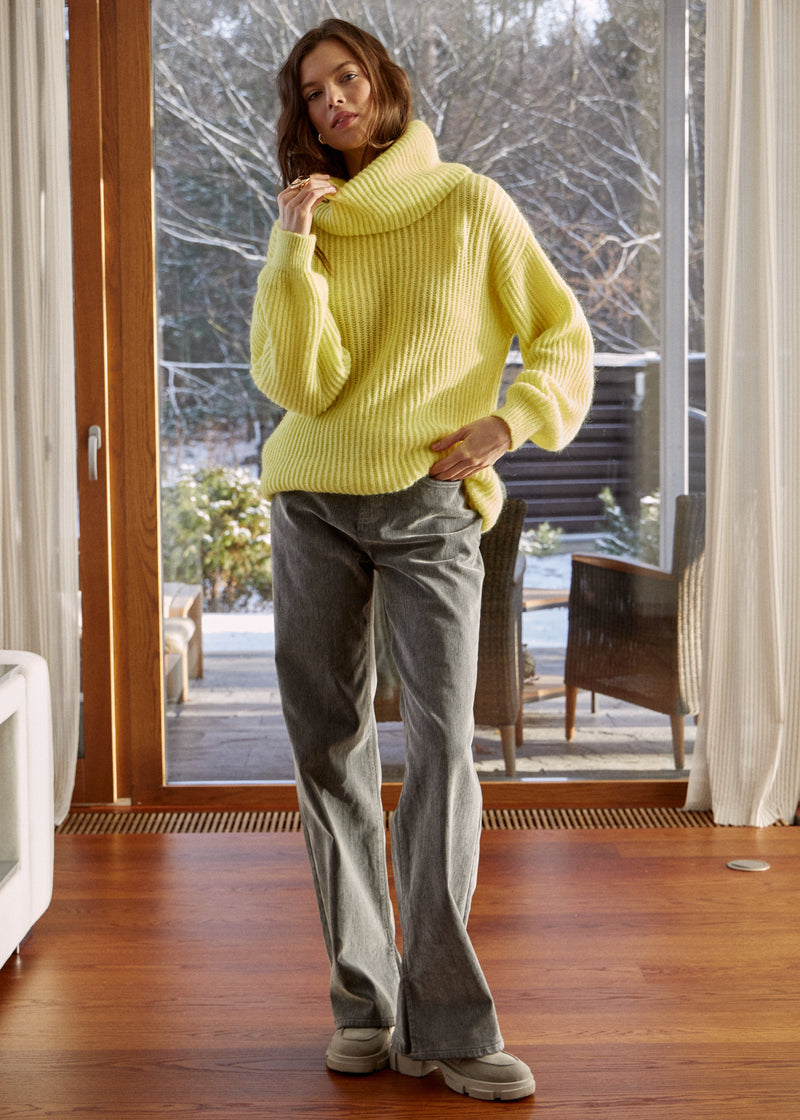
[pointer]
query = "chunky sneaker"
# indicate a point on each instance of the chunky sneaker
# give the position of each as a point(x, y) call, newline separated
point(495, 1077)
point(359, 1049)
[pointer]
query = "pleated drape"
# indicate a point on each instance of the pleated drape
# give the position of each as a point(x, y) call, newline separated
point(747, 756)
point(39, 605)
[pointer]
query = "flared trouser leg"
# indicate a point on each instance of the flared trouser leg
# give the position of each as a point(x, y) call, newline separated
point(322, 586)
point(424, 541)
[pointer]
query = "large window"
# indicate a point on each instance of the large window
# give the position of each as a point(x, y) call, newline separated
point(560, 101)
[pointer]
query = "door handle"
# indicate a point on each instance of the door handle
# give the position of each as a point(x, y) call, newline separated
point(95, 443)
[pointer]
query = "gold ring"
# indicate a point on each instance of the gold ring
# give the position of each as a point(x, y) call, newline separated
point(301, 181)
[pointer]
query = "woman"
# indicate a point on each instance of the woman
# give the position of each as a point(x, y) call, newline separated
point(393, 286)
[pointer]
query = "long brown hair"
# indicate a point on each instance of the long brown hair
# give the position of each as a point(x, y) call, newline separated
point(299, 149)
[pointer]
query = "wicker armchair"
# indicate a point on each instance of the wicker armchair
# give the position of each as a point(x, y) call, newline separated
point(635, 630)
point(500, 662)
point(498, 693)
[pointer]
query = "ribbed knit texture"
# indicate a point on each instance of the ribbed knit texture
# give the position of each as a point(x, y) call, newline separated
point(402, 338)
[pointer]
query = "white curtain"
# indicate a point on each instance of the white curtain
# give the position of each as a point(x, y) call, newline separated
point(747, 757)
point(39, 609)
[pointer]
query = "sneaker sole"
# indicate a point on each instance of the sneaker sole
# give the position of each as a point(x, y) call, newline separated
point(455, 1080)
point(345, 1063)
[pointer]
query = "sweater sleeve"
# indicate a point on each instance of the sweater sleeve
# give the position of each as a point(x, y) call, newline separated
point(551, 396)
point(296, 351)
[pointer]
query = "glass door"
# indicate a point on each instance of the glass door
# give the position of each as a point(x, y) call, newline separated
point(569, 121)
point(216, 182)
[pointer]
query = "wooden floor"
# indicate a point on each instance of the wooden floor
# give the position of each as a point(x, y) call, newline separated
point(184, 976)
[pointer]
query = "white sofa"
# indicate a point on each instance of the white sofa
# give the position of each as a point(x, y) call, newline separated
point(26, 796)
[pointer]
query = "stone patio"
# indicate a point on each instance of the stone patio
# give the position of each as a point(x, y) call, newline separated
point(230, 729)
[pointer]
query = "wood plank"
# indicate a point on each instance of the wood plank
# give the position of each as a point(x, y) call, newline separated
point(114, 291)
point(185, 976)
point(568, 492)
point(590, 465)
point(95, 771)
point(543, 598)
point(137, 542)
point(543, 687)
point(525, 793)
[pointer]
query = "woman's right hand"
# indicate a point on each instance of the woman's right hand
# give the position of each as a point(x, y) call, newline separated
point(296, 204)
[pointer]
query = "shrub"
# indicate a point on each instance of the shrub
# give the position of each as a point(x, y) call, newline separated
point(541, 541)
point(622, 536)
point(216, 531)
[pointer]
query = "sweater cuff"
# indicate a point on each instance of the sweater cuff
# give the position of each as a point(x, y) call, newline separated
point(293, 252)
point(518, 422)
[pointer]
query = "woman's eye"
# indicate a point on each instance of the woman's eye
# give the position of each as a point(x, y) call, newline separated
point(311, 96)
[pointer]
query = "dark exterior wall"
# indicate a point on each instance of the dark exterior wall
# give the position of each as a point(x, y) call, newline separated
point(616, 447)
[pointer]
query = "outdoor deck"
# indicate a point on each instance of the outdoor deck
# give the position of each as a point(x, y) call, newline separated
point(231, 730)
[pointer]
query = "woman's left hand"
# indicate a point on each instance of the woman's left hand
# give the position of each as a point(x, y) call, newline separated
point(474, 447)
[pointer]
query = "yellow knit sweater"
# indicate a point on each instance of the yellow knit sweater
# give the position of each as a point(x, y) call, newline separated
point(402, 337)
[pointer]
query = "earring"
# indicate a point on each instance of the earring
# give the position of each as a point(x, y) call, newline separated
point(319, 137)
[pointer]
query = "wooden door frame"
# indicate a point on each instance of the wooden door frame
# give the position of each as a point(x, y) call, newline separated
point(95, 779)
point(117, 377)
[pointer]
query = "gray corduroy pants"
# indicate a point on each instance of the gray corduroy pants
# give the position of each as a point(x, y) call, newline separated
point(424, 543)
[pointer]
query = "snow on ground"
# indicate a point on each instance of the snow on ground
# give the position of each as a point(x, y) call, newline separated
point(254, 633)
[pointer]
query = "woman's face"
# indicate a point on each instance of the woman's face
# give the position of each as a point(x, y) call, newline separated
point(338, 97)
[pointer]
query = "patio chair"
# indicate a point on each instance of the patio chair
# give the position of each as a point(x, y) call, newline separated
point(500, 660)
point(635, 630)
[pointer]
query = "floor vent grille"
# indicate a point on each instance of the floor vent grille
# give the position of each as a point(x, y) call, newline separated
point(99, 823)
